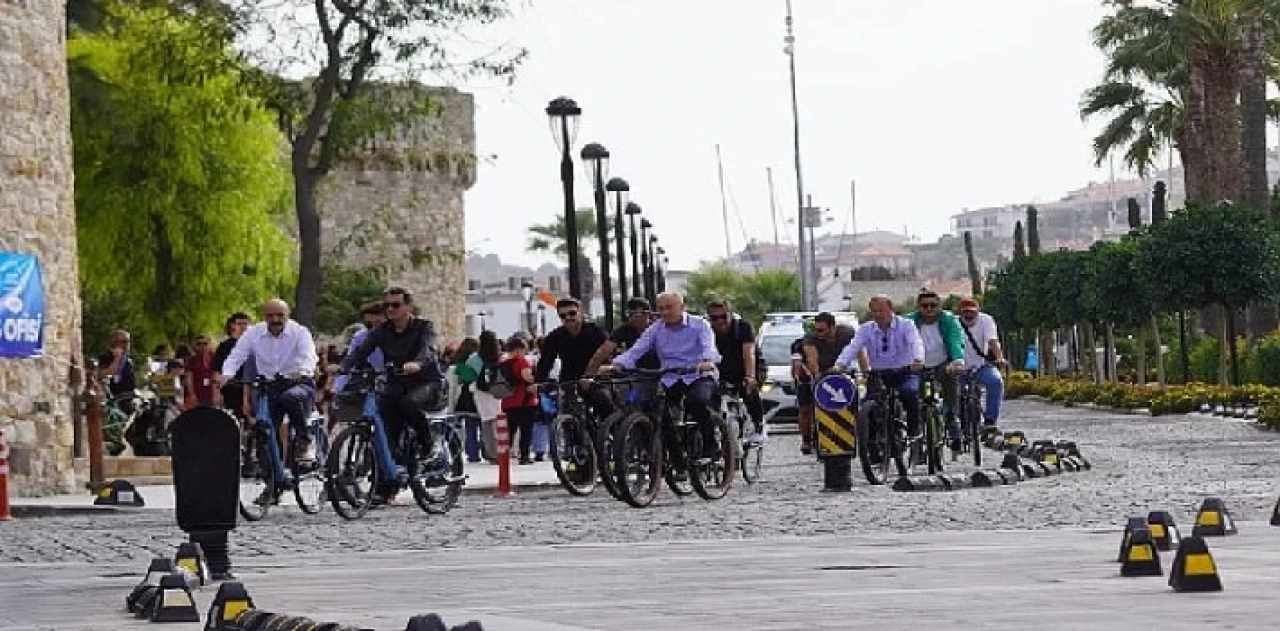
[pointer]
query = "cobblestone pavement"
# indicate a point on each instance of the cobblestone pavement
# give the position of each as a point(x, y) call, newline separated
point(1140, 464)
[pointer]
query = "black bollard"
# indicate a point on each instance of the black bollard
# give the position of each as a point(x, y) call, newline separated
point(837, 474)
point(206, 481)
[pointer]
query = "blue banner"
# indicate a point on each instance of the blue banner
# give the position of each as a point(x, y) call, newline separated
point(21, 306)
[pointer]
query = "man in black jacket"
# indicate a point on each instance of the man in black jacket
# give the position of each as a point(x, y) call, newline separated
point(574, 342)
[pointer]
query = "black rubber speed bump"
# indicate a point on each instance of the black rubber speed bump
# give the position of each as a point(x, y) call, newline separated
point(253, 620)
point(190, 557)
point(992, 477)
point(1068, 464)
point(1032, 471)
point(139, 599)
point(1213, 520)
point(1141, 557)
point(917, 483)
point(1163, 531)
point(119, 493)
point(1275, 514)
point(1013, 440)
point(1133, 524)
point(173, 601)
point(1010, 461)
point(1193, 568)
point(231, 600)
point(428, 622)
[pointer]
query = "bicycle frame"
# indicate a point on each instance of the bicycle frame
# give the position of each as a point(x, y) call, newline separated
point(266, 423)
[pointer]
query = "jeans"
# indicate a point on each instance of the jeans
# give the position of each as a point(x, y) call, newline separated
point(471, 436)
point(541, 437)
point(990, 379)
point(404, 403)
point(295, 404)
point(381, 445)
point(698, 396)
point(908, 386)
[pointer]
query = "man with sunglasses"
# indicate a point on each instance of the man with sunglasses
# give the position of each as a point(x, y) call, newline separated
point(574, 343)
point(819, 349)
point(409, 342)
point(943, 352)
point(889, 342)
point(736, 342)
point(283, 348)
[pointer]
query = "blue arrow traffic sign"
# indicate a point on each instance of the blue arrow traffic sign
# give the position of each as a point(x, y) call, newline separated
point(835, 392)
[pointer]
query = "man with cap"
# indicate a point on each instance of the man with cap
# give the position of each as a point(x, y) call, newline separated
point(983, 357)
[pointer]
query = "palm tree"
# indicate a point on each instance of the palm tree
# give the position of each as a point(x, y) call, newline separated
point(550, 237)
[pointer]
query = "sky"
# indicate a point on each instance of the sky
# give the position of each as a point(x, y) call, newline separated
point(932, 106)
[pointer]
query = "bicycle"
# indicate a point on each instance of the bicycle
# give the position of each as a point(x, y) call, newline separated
point(646, 448)
point(969, 401)
point(628, 394)
point(265, 472)
point(734, 410)
point(931, 415)
point(881, 428)
point(430, 449)
point(573, 430)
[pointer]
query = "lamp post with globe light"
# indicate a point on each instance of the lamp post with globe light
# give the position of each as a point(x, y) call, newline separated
point(620, 188)
point(596, 160)
point(526, 292)
point(633, 210)
point(563, 113)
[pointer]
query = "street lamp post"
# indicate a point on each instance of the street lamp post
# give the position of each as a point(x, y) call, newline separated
point(646, 258)
point(596, 159)
point(526, 292)
point(564, 113)
point(542, 320)
point(653, 267)
point(619, 187)
point(661, 270)
point(633, 209)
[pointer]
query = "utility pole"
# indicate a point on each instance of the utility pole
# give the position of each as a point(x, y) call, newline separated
point(807, 302)
point(773, 211)
point(724, 207)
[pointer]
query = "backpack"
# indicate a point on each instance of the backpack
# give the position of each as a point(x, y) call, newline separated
point(497, 379)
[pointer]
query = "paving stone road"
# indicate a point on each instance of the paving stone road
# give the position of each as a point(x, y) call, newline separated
point(1140, 464)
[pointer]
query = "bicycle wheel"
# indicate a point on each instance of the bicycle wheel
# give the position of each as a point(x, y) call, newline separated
point(638, 453)
point(879, 451)
point(308, 477)
point(753, 455)
point(573, 455)
point(609, 469)
point(351, 461)
point(974, 430)
point(932, 438)
point(257, 477)
point(437, 476)
point(676, 475)
point(711, 479)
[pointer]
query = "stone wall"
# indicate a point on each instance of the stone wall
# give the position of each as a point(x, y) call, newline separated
point(37, 215)
point(398, 206)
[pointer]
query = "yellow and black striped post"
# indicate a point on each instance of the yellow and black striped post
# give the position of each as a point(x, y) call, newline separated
point(836, 398)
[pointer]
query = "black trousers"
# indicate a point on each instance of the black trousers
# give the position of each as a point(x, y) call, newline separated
point(404, 403)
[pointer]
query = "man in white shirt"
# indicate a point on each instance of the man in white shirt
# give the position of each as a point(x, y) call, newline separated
point(983, 356)
point(281, 348)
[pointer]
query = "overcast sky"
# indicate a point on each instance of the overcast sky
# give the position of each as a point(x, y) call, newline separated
point(931, 105)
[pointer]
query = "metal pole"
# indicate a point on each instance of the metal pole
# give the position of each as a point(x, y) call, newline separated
point(724, 207)
point(773, 211)
point(570, 214)
point(804, 263)
point(619, 236)
point(602, 233)
point(635, 261)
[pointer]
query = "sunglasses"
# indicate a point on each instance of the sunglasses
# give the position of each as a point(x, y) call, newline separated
point(392, 305)
point(717, 318)
point(930, 305)
point(568, 314)
point(637, 314)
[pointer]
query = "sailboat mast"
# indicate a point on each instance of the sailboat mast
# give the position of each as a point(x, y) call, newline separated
point(773, 211)
point(724, 206)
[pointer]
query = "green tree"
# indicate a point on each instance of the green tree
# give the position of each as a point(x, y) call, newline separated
point(975, 280)
point(1221, 257)
point(551, 238)
point(342, 109)
point(179, 180)
point(343, 293)
point(751, 295)
point(717, 281)
point(1033, 231)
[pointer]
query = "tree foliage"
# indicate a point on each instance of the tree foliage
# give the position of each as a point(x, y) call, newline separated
point(344, 292)
point(552, 238)
point(179, 178)
point(751, 295)
point(1033, 231)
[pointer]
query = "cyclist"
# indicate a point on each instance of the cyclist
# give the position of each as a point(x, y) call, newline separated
point(372, 315)
point(983, 356)
point(943, 352)
point(803, 380)
point(821, 345)
point(622, 339)
point(736, 343)
point(681, 340)
point(410, 343)
point(574, 343)
point(889, 342)
point(280, 348)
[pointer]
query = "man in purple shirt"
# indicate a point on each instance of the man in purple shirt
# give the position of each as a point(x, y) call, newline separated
point(889, 342)
point(681, 340)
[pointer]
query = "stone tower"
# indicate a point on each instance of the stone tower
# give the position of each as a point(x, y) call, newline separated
point(37, 215)
point(398, 206)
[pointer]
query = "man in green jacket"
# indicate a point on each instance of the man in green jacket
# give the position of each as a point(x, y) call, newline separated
point(943, 346)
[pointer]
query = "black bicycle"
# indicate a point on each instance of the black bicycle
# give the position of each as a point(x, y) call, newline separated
point(573, 431)
point(267, 470)
point(667, 442)
point(929, 449)
point(969, 402)
point(629, 394)
point(881, 428)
